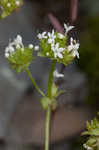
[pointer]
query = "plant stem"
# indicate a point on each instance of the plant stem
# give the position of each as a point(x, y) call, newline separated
point(47, 128)
point(48, 112)
point(34, 83)
point(50, 80)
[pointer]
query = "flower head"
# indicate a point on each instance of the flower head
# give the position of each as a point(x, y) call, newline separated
point(19, 56)
point(54, 45)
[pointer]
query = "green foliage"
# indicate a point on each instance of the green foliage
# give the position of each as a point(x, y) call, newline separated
point(89, 57)
point(93, 133)
point(46, 101)
point(8, 6)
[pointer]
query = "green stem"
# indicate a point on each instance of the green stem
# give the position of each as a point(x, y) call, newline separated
point(48, 112)
point(47, 128)
point(34, 83)
point(50, 81)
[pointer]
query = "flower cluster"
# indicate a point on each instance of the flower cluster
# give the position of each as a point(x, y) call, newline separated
point(93, 133)
point(8, 6)
point(19, 56)
point(55, 46)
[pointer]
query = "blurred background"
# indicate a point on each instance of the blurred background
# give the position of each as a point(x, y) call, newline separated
point(21, 116)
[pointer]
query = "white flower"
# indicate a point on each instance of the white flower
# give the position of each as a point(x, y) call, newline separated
point(57, 50)
point(51, 37)
point(42, 35)
point(56, 74)
point(74, 47)
point(61, 36)
point(68, 28)
point(36, 48)
point(30, 46)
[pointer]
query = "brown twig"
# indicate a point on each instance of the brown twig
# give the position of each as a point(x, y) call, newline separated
point(73, 10)
point(56, 24)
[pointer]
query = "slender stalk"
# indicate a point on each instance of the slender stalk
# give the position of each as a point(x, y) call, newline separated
point(48, 112)
point(50, 80)
point(34, 83)
point(47, 128)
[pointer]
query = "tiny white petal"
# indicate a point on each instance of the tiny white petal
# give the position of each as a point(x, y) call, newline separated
point(49, 34)
point(71, 40)
point(68, 28)
point(61, 49)
point(55, 54)
point(43, 33)
point(70, 48)
point(50, 41)
point(75, 53)
point(57, 45)
point(60, 55)
point(53, 32)
point(77, 45)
